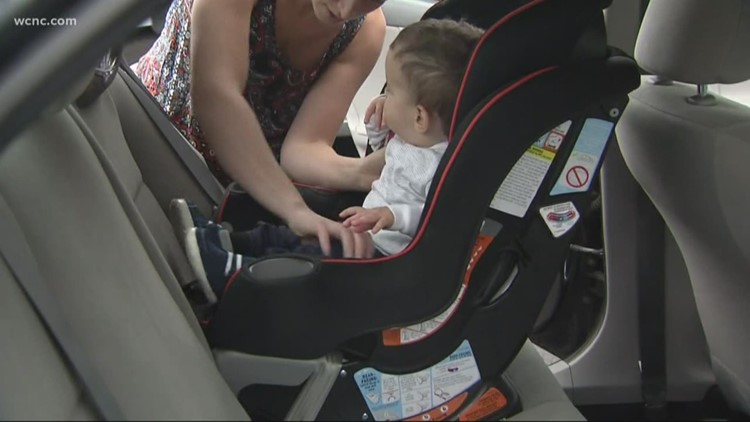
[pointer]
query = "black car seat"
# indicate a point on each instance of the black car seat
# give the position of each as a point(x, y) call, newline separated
point(534, 384)
point(103, 122)
point(532, 123)
point(104, 275)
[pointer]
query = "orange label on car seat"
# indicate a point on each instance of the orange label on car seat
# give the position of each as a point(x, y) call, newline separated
point(417, 332)
point(491, 401)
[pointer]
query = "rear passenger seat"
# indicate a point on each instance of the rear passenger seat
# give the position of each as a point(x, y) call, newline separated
point(112, 283)
point(89, 188)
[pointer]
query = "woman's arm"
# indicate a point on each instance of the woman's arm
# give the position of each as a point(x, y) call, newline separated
point(219, 66)
point(307, 154)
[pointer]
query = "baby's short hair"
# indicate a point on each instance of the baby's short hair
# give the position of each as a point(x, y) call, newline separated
point(433, 54)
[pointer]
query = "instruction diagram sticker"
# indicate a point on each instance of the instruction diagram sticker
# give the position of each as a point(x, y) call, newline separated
point(522, 183)
point(587, 153)
point(560, 218)
point(391, 397)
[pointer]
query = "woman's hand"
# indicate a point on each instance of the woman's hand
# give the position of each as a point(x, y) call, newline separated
point(306, 223)
point(362, 219)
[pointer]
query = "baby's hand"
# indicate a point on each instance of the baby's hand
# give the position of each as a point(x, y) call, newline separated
point(375, 109)
point(362, 219)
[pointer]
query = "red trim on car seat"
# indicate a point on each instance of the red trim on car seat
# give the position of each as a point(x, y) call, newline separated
point(222, 206)
point(448, 166)
point(231, 279)
point(489, 32)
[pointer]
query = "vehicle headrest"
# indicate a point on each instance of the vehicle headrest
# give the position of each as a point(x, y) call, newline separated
point(696, 41)
point(104, 74)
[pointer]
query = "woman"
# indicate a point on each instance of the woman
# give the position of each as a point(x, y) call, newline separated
point(260, 87)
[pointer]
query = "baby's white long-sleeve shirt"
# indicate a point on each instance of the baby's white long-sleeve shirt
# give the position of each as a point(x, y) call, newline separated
point(403, 187)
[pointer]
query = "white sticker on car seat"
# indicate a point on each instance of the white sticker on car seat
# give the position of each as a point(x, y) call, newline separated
point(560, 218)
point(392, 397)
point(578, 172)
point(416, 332)
point(522, 183)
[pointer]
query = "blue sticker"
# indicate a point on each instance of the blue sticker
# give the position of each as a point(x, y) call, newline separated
point(382, 398)
point(583, 161)
point(391, 397)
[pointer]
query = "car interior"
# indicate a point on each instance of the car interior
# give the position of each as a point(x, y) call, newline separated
point(674, 118)
point(579, 277)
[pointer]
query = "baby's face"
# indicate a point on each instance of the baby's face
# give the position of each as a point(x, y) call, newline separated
point(401, 111)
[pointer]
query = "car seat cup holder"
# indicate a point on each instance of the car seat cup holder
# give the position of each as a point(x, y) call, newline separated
point(275, 269)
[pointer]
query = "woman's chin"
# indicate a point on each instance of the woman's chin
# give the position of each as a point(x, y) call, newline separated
point(326, 17)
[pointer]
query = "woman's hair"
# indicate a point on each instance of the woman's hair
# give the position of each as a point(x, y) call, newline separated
point(433, 54)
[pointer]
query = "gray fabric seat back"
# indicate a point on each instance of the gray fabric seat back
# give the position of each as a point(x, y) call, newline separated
point(163, 171)
point(102, 117)
point(148, 172)
point(125, 313)
point(691, 157)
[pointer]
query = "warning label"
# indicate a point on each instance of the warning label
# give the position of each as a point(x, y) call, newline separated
point(587, 152)
point(522, 183)
point(391, 397)
point(560, 218)
point(491, 401)
point(577, 176)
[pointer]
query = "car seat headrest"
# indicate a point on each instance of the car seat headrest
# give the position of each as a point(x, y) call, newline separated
point(479, 13)
point(696, 41)
point(104, 74)
point(495, 62)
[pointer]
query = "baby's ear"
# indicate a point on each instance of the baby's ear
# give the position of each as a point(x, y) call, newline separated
point(423, 120)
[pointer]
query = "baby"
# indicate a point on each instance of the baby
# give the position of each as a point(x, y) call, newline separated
point(424, 69)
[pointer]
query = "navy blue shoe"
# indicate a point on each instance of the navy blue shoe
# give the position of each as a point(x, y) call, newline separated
point(212, 264)
point(199, 220)
point(185, 215)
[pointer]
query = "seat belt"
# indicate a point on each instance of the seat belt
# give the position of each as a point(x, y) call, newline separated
point(16, 252)
point(179, 144)
point(651, 307)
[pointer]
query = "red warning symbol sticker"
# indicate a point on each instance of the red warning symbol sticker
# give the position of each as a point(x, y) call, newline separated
point(577, 177)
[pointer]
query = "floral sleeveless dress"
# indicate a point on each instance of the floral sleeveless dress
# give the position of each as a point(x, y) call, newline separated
point(274, 89)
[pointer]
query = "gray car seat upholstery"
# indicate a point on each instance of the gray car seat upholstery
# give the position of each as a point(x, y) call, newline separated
point(102, 119)
point(690, 153)
point(111, 292)
point(166, 175)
